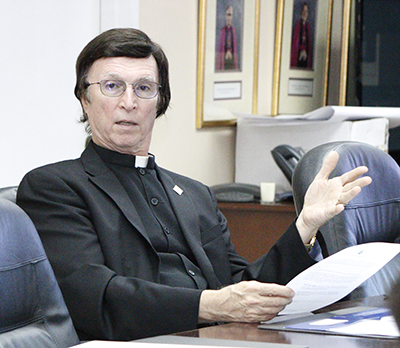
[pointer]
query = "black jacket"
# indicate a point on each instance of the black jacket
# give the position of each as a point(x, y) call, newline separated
point(103, 259)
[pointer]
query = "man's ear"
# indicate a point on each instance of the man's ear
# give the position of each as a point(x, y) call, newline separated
point(84, 102)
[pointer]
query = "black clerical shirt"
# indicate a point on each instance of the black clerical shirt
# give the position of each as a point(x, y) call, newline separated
point(178, 265)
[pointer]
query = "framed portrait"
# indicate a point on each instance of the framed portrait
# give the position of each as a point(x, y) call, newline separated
point(227, 64)
point(301, 61)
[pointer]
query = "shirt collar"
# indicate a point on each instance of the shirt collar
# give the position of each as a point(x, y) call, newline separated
point(114, 157)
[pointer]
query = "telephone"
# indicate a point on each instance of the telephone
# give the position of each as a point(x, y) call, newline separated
point(236, 192)
point(286, 157)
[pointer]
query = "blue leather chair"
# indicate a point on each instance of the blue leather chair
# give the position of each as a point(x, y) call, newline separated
point(9, 192)
point(32, 310)
point(394, 302)
point(372, 216)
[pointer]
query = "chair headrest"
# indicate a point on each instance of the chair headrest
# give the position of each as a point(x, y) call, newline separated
point(33, 312)
point(15, 225)
point(9, 193)
point(383, 169)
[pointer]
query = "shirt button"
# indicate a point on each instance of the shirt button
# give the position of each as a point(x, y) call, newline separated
point(142, 171)
point(154, 201)
point(166, 230)
point(192, 273)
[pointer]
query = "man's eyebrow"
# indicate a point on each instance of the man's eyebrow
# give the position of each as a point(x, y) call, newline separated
point(146, 79)
point(113, 76)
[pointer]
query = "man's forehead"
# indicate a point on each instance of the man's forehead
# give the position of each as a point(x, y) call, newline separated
point(118, 66)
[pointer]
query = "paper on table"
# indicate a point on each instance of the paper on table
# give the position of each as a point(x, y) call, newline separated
point(336, 276)
point(105, 344)
point(358, 321)
point(196, 342)
point(126, 344)
point(384, 327)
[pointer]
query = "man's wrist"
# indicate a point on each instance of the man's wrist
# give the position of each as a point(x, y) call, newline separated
point(206, 306)
point(305, 232)
point(310, 245)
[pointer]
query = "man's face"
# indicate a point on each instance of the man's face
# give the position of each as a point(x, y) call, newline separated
point(304, 13)
point(125, 123)
point(229, 16)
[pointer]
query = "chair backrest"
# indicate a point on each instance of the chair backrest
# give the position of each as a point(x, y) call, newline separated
point(286, 157)
point(372, 216)
point(33, 312)
point(9, 193)
point(394, 302)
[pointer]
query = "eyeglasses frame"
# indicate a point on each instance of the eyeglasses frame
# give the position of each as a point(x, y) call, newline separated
point(124, 90)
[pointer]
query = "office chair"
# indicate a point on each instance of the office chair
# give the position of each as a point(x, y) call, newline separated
point(9, 193)
point(394, 302)
point(286, 157)
point(372, 216)
point(33, 312)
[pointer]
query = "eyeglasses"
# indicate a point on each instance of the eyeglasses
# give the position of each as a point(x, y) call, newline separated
point(116, 88)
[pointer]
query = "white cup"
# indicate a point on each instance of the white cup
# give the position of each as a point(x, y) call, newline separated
point(267, 192)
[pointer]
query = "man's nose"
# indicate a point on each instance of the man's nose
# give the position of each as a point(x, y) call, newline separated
point(129, 98)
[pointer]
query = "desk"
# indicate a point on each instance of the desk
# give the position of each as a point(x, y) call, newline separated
point(255, 227)
point(250, 332)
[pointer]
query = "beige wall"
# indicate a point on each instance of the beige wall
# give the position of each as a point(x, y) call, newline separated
point(208, 154)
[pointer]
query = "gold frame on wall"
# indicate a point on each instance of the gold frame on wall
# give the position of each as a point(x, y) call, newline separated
point(344, 56)
point(315, 81)
point(207, 77)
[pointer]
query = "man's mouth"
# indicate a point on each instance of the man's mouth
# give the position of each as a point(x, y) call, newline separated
point(126, 123)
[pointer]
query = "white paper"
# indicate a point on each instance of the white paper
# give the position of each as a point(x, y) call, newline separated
point(329, 114)
point(101, 344)
point(122, 344)
point(335, 277)
point(117, 344)
point(386, 327)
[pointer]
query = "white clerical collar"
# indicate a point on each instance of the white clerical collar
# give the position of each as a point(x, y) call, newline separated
point(141, 161)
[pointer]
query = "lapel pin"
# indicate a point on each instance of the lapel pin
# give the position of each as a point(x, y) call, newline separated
point(178, 190)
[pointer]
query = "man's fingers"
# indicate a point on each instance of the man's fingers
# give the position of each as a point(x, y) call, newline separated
point(247, 301)
point(352, 189)
point(276, 290)
point(328, 165)
point(266, 295)
point(352, 183)
point(353, 175)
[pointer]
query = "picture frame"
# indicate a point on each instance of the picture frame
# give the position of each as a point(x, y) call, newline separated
point(347, 31)
point(301, 56)
point(227, 62)
point(342, 86)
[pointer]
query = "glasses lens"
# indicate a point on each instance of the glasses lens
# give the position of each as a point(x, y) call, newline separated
point(146, 89)
point(112, 88)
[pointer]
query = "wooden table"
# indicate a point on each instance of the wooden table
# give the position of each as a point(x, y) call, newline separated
point(250, 332)
point(255, 227)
